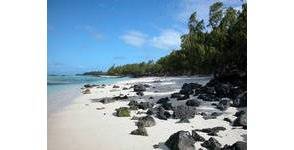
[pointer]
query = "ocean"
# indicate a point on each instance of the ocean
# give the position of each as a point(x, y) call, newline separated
point(62, 90)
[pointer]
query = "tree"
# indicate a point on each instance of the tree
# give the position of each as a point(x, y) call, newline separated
point(215, 14)
point(201, 51)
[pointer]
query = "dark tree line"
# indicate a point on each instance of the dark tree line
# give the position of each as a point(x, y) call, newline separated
point(203, 49)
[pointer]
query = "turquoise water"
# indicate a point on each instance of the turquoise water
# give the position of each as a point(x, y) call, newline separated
point(62, 90)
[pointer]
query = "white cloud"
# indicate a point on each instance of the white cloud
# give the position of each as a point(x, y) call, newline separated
point(168, 39)
point(134, 38)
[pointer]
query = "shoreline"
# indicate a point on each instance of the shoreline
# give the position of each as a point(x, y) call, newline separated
point(81, 126)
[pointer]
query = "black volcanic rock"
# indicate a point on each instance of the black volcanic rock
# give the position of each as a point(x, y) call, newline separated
point(197, 137)
point(183, 111)
point(163, 100)
point(140, 131)
point(241, 100)
point(239, 145)
point(183, 120)
point(139, 88)
point(211, 131)
point(212, 144)
point(181, 140)
point(145, 105)
point(147, 121)
point(223, 104)
point(208, 97)
point(241, 121)
point(193, 102)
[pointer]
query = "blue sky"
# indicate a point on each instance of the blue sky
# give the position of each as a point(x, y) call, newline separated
point(85, 35)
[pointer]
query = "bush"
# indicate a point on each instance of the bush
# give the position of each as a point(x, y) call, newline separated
point(123, 112)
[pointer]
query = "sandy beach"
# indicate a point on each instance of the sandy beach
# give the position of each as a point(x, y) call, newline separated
point(81, 126)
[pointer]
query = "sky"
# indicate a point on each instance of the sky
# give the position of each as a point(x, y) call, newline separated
point(87, 35)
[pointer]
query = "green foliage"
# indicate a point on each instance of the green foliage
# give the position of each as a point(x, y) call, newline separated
point(137, 69)
point(215, 14)
point(123, 112)
point(201, 51)
point(94, 73)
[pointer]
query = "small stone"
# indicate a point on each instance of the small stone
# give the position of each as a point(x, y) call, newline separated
point(155, 146)
point(140, 131)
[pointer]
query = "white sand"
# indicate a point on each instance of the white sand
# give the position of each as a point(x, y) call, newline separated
point(81, 127)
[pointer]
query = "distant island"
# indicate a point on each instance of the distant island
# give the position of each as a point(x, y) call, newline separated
point(93, 73)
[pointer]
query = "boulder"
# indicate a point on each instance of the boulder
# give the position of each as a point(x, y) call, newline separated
point(183, 120)
point(155, 146)
point(87, 85)
point(212, 144)
point(159, 112)
point(140, 93)
point(120, 97)
point(231, 74)
point(144, 105)
point(124, 88)
point(162, 114)
point(209, 117)
point(133, 105)
point(203, 114)
point(197, 137)
point(115, 86)
point(223, 90)
point(147, 121)
point(139, 88)
point(239, 113)
point(183, 97)
point(189, 88)
point(163, 100)
point(123, 112)
point(151, 111)
point(183, 111)
point(167, 106)
point(216, 114)
point(197, 92)
point(223, 104)
point(175, 95)
point(193, 102)
point(213, 115)
point(211, 131)
point(241, 100)
point(241, 121)
point(140, 131)
point(87, 91)
point(186, 91)
point(208, 90)
point(239, 145)
point(208, 97)
point(181, 140)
